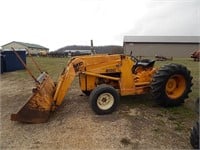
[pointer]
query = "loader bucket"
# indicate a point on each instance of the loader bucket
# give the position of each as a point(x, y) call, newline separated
point(38, 107)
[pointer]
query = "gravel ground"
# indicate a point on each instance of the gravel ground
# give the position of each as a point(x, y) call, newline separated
point(75, 126)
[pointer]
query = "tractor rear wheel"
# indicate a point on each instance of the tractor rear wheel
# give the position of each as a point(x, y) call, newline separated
point(194, 136)
point(171, 85)
point(104, 99)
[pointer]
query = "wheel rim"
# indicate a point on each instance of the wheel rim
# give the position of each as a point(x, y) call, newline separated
point(175, 86)
point(105, 101)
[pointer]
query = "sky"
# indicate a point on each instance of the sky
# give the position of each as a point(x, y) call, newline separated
point(58, 23)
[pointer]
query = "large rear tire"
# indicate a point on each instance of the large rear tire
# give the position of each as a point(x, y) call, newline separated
point(194, 136)
point(171, 85)
point(104, 99)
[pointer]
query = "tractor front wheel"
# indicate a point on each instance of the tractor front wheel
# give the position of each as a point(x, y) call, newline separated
point(104, 99)
point(171, 85)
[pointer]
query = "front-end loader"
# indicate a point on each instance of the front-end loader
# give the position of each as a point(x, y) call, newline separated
point(104, 78)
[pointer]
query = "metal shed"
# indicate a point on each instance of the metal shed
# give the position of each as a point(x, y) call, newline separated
point(34, 49)
point(176, 46)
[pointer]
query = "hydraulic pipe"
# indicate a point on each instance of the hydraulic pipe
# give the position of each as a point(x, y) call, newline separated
point(20, 59)
point(37, 66)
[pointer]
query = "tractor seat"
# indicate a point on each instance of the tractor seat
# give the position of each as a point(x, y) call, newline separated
point(145, 63)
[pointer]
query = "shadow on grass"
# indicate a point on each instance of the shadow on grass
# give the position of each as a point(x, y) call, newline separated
point(136, 100)
point(180, 112)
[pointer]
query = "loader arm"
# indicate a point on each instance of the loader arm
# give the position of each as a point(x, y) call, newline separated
point(74, 66)
point(78, 65)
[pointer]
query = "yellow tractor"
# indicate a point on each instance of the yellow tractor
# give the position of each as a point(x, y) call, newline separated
point(104, 78)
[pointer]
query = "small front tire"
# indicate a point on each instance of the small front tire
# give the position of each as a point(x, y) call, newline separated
point(104, 99)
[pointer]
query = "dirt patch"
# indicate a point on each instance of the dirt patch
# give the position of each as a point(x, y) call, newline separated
point(75, 126)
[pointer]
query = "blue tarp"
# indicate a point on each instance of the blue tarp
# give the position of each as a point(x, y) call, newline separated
point(10, 62)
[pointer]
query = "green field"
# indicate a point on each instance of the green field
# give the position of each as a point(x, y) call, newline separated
point(54, 67)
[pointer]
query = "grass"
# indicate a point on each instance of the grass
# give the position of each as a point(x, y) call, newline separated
point(53, 66)
point(179, 127)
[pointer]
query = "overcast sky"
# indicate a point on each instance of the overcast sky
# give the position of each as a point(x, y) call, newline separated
point(57, 23)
